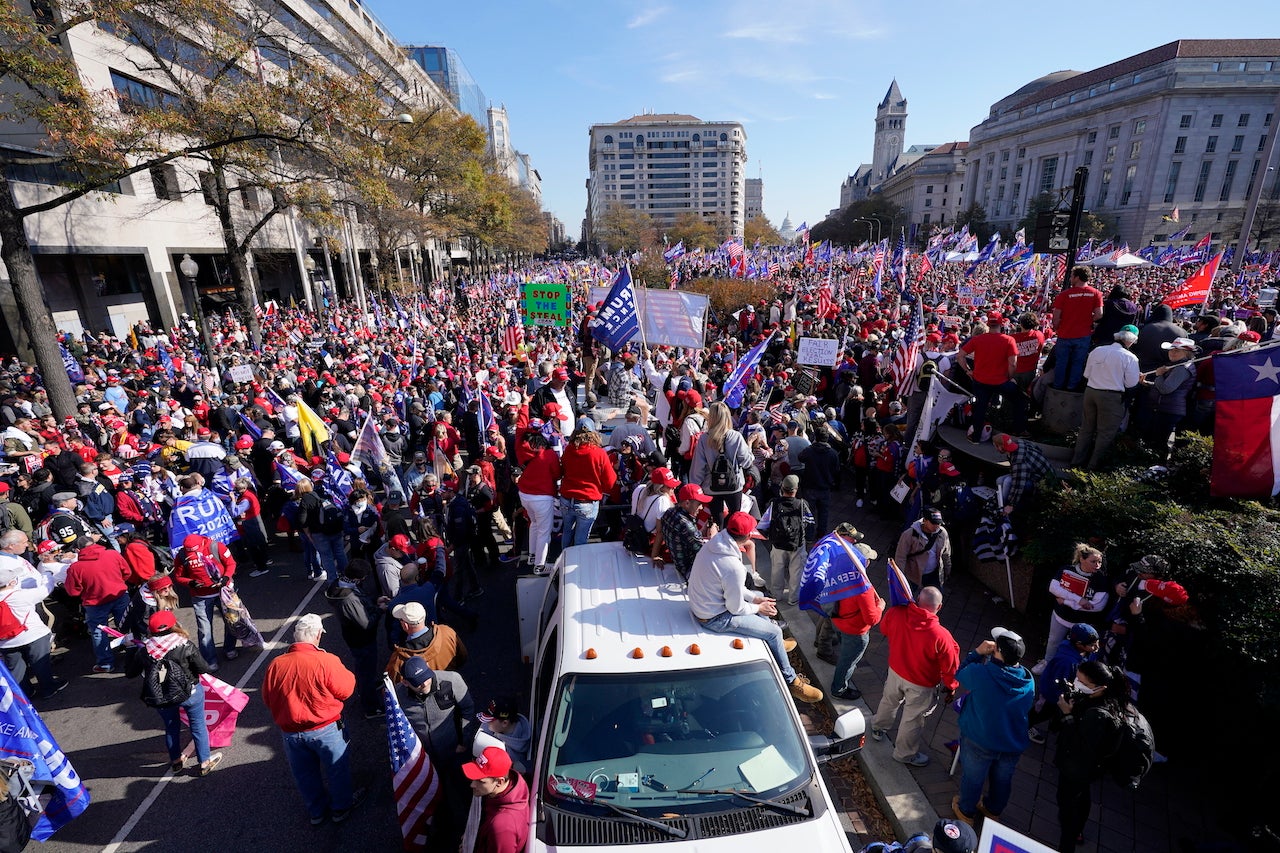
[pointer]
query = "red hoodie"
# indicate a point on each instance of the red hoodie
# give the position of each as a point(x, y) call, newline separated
point(98, 575)
point(920, 649)
point(193, 574)
point(588, 474)
point(504, 820)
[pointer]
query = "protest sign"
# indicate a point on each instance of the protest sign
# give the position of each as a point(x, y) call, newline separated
point(820, 352)
point(546, 303)
point(241, 372)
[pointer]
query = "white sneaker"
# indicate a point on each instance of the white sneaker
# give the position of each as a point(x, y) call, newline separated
point(859, 503)
point(541, 570)
point(1038, 669)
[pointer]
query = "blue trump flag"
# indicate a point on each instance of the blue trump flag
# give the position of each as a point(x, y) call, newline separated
point(899, 589)
point(617, 321)
point(833, 570)
point(166, 360)
point(736, 384)
point(203, 513)
point(24, 735)
point(74, 371)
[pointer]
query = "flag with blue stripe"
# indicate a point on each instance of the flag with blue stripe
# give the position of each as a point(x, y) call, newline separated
point(166, 360)
point(617, 320)
point(74, 371)
point(899, 589)
point(833, 570)
point(249, 426)
point(24, 735)
point(736, 385)
point(289, 477)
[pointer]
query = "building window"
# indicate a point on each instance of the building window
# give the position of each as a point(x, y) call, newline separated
point(1017, 190)
point(1180, 145)
point(1237, 144)
point(1185, 121)
point(135, 96)
point(1114, 132)
point(1217, 66)
point(1262, 143)
point(928, 202)
point(1022, 152)
point(1227, 179)
point(926, 219)
point(928, 190)
point(164, 180)
point(1203, 180)
point(1243, 121)
point(208, 189)
point(1004, 172)
point(1135, 149)
point(1104, 187)
point(1091, 138)
point(1171, 185)
point(1088, 157)
point(1266, 121)
point(1127, 189)
point(1211, 145)
point(1139, 127)
point(249, 197)
point(1017, 172)
point(1004, 156)
point(1216, 121)
point(1000, 193)
point(1253, 176)
point(1049, 174)
point(1111, 154)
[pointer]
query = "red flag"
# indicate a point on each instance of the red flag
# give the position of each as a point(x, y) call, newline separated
point(925, 267)
point(1246, 434)
point(1204, 242)
point(1195, 290)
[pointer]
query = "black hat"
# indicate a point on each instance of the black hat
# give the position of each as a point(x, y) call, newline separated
point(953, 836)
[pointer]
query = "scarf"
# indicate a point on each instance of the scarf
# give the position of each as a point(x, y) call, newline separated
point(161, 644)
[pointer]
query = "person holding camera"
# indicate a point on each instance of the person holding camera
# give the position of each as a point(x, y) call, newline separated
point(1079, 646)
point(1090, 733)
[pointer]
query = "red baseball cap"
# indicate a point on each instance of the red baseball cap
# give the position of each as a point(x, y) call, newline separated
point(664, 477)
point(161, 621)
point(401, 543)
point(561, 374)
point(693, 492)
point(553, 410)
point(493, 763)
point(48, 546)
point(742, 524)
point(244, 442)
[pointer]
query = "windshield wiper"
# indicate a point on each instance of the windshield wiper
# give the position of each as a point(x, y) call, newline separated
point(759, 801)
point(630, 814)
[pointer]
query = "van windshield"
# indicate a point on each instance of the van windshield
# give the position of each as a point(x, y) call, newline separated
point(663, 739)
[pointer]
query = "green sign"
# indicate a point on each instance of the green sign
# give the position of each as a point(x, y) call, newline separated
point(546, 303)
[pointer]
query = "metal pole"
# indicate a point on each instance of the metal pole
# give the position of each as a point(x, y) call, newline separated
point(298, 254)
point(1251, 209)
point(1077, 208)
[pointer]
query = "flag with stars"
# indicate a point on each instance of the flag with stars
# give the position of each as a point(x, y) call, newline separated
point(414, 779)
point(1246, 435)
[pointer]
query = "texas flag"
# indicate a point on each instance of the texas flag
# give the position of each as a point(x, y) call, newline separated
point(1246, 446)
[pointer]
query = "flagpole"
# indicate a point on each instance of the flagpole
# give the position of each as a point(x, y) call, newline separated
point(1268, 345)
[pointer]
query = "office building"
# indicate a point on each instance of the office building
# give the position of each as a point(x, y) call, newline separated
point(755, 198)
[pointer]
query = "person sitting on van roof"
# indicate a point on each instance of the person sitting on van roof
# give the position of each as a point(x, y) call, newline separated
point(722, 604)
point(678, 529)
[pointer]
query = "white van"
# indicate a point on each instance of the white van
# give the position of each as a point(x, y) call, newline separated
point(651, 730)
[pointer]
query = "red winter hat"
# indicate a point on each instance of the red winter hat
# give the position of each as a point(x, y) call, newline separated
point(1170, 592)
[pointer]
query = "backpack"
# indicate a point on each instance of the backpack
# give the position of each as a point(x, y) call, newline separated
point(6, 518)
point(330, 516)
point(697, 436)
point(166, 683)
point(198, 560)
point(10, 626)
point(163, 557)
point(1133, 757)
point(723, 479)
point(786, 527)
point(635, 536)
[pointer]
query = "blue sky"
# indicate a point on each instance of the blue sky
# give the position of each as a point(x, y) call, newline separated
point(803, 76)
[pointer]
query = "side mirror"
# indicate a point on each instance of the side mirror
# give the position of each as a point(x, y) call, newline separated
point(848, 737)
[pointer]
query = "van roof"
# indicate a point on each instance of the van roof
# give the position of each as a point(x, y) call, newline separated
point(615, 602)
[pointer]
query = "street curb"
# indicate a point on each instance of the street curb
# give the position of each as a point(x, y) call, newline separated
point(897, 791)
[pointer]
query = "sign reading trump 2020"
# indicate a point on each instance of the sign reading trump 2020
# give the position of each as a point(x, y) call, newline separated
point(546, 303)
point(203, 513)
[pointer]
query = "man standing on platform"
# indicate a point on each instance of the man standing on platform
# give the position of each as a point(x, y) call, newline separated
point(1074, 312)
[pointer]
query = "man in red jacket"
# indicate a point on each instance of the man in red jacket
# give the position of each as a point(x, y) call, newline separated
point(205, 567)
point(854, 618)
point(922, 655)
point(305, 689)
point(504, 808)
point(98, 577)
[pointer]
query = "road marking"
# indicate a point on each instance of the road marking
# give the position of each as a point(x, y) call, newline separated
point(151, 798)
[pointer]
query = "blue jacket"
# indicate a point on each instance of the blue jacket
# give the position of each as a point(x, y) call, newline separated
point(1063, 665)
point(1000, 697)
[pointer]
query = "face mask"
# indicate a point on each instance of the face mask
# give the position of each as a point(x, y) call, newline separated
point(359, 508)
point(1080, 687)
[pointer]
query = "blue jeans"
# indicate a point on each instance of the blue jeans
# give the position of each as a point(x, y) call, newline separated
point(32, 659)
point(1068, 366)
point(204, 609)
point(852, 647)
point(332, 553)
point(96, 615)
point(195, 721)
point(578, 516)
point(983, 765)
point(313, 757)
point(982, 395)
point(759, 627)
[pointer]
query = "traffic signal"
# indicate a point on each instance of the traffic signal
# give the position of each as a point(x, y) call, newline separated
point(1053, 232)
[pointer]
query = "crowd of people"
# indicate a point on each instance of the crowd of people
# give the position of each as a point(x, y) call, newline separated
point(417, 456)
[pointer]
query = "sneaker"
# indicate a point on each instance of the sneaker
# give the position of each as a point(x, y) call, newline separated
point(374, 714)
point(257, 573)
point(877, 734)
point(319, 819)
point(541, 571)
point(59, 685)
point(802, 690)
point(848, 694)
point(231, 655)
point(509, 557)
point(104, 669)
point(789, 644)
point(827, 657)
point(1035, 735)
point(207, 767)
point(917, 760)
point(955, 810)
point(358, 797)
point(1038, 669)
point(177, 765)
point(213, 668)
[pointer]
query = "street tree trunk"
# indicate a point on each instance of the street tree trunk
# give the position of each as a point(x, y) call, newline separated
point(15, 251)
point(240, 276)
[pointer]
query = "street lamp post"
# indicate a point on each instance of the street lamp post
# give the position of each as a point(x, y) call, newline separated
point(309, 266)
point(190, 270)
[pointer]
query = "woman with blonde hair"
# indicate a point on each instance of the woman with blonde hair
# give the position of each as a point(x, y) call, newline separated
point(719, 463)
point(1081, 593)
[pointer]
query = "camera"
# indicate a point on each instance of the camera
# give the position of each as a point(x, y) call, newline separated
point(1067, 689)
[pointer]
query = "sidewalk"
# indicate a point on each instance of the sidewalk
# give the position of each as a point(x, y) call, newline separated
point(1164, 814)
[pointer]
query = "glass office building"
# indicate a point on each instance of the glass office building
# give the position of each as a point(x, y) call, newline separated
point(445, 67)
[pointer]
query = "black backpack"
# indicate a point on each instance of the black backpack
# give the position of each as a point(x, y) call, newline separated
point(163, 557)
point(1134, 755)
point(786, 525)
point(330, 516)
point(723, 478)
point(166, 683)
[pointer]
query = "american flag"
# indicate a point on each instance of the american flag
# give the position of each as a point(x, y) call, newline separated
point(513, 333)
point(825, 305)
point(773, 269)
point(675, 278)
point(903, 365)
point(416, 784)
point(734, 249)
point(899, 263)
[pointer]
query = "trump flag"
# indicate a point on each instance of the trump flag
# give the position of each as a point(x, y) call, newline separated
point(1246, 444)
point(1195, 290)
point(833, 570)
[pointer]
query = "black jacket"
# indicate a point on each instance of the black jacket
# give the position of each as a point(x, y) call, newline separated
point(1088, 736)
point(357, 614)
point(821, 471)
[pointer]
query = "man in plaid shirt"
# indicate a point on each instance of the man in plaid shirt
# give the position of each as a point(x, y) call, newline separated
point(678, 529)
point(1027, 467)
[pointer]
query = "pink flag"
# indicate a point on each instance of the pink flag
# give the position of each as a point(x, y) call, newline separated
point(222, 706)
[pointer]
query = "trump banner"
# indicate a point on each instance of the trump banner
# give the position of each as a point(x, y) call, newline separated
point(203, 513)
point(23, 735)
point(222, 706)
point(997, 838)
point(833, 570)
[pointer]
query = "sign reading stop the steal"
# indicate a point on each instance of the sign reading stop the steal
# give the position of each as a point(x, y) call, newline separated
point(546, 303)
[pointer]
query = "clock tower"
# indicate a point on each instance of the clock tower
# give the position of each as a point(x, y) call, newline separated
point(891, 125)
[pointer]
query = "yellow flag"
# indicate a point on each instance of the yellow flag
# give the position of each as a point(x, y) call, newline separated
point(312, 429)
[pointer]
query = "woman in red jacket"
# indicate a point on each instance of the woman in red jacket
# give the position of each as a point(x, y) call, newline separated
point(537, 487)
point(854, 618)
point(588, 476)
